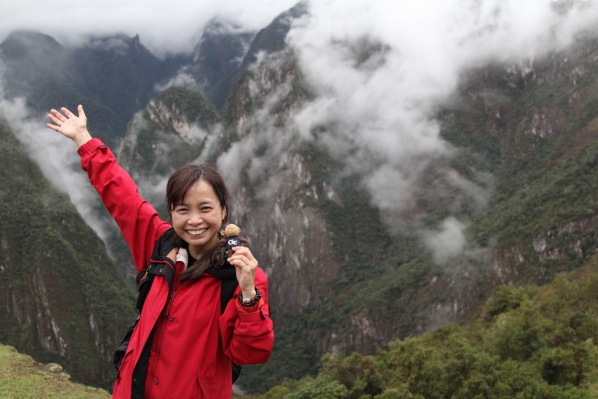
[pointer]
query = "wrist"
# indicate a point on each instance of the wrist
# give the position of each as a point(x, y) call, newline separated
point(82, 138)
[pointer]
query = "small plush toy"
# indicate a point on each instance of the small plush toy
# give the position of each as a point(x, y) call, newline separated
point(231, 238)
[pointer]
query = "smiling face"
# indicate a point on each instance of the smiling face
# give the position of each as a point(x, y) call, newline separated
point(198, 218)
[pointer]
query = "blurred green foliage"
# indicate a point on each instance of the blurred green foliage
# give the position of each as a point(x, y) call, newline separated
point(528, 342)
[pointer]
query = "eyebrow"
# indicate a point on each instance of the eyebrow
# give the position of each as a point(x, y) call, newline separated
point(208, 202)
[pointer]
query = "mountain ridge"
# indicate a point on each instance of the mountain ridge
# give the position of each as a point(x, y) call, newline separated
point(338, 276)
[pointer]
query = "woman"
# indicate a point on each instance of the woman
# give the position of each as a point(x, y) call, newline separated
point(183, 345)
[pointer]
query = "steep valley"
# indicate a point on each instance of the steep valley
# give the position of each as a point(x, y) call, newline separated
point(519, 178)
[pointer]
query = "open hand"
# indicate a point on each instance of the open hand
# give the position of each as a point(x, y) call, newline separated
point(71, 126)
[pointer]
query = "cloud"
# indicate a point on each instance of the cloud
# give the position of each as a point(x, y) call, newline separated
point(57, 159)
point(163, 27)
point(446, 242)
point(382, 69)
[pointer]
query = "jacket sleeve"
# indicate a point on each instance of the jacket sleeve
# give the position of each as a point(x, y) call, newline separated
point(248, 338)
point(137, 219)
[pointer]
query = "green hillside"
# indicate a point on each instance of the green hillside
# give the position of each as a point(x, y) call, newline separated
point(528, 342)
point(64, 299)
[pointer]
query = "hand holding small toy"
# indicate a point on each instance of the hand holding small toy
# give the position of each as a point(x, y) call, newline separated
point(242, 258)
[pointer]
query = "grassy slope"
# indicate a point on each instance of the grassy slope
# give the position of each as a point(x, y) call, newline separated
point(21, 377)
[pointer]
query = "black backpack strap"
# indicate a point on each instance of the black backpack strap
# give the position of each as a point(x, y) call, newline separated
point(227, 291)
point(160, 264)
point(228, 285)
point(228, 276)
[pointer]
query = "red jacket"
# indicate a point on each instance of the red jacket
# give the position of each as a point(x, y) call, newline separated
point(193, 343)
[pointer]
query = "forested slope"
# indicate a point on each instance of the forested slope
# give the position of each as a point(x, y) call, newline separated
point(63, 298)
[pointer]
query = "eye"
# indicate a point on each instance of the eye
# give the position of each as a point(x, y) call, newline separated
point(181, 209)
point(206, 208)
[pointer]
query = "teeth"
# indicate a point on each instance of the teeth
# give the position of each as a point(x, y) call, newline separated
point(196, 232)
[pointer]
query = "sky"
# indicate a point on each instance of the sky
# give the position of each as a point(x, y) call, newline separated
point(381, 108)
point(163, 26)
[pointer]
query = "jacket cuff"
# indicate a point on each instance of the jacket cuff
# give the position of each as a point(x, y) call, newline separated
point(90, 146)
point(244, 309)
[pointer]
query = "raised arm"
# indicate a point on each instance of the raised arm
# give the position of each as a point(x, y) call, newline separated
point(137, 219)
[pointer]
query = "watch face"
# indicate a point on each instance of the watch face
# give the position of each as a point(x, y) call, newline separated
point(246, 300)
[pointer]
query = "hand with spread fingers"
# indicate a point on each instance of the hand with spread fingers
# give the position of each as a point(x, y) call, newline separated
point(246, 266)
point(69, 125)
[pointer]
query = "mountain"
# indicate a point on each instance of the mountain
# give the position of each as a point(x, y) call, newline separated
point(123, 74)
point(340, 280)
point(40, 69)
point(217, 58)
point(224, 53)
point(539, 129)
point(170, 132)
point(273, 37)
point(64, 300)
point(113, 76)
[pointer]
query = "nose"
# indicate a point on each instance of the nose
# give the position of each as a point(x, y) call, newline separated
point(195, 218)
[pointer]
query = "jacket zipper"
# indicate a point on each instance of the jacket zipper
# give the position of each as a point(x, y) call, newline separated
point(169, 304)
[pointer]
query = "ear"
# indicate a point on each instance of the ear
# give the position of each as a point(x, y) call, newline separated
point(223, 213)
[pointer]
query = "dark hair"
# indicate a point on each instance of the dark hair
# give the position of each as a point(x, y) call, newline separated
point(185, 177)
point(176, 189)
